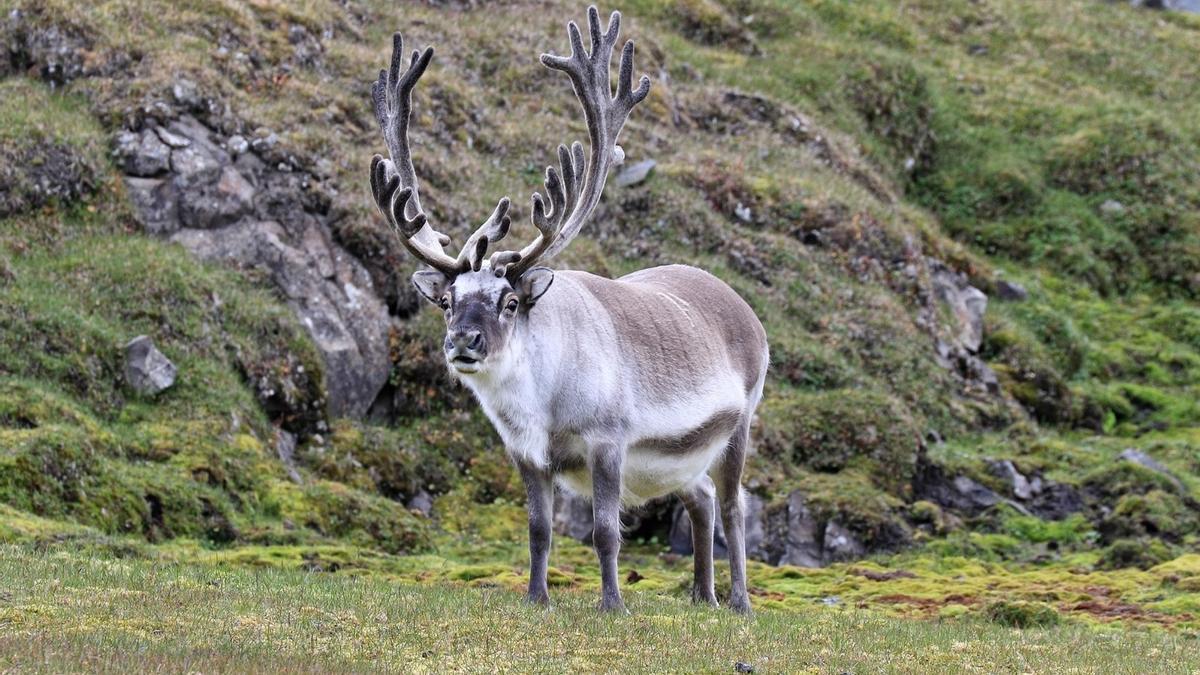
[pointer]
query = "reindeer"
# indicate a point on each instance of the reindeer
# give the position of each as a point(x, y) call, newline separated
point(622, 390)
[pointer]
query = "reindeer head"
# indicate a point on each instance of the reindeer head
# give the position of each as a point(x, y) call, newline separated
point(484, 298)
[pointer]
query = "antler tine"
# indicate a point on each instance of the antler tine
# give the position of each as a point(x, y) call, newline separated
point(493, 229)
point(574, 197)
point(393, 202)
point(394, 181)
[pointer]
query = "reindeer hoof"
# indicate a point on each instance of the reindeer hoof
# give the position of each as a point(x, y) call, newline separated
point(741, 606)
point(617, 606)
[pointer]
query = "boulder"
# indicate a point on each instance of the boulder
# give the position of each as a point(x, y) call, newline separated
point(147, 370)
point(573, 516)
point(285, 448)
point(155, 205)
point(680, 535)
point(965, 303)
point(1018, 483)
point(1011, 291)
point(931, 483)
point(635, 173)
point(143, 155)
point(1055, 501)
point(216, 202)
point(330, 291)
point(840, 544)
point(1142, 459)
point(421, 502)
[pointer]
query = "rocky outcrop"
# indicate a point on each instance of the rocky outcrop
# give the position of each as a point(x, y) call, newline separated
point(795, 535)
point(230, 200)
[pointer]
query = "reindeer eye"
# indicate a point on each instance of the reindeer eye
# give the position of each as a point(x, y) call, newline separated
point(512, 305)
point(444, 303)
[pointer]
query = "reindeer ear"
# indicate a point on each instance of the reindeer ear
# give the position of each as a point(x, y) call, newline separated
point(430, 284)
point(534, 283)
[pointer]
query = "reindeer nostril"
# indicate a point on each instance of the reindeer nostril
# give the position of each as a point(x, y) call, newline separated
point(475, 340)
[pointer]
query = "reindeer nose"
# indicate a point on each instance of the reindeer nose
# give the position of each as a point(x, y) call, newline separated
point(466, 340)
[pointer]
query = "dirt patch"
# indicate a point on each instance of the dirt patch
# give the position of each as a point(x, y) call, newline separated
point(1114, 610)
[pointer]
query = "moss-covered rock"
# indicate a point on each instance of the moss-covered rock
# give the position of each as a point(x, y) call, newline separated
point(1021, 614)
point(340, 512)
point(1139, 553)
point(832, 430)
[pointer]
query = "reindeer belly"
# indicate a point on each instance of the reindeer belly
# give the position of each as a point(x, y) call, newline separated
point(658, 466)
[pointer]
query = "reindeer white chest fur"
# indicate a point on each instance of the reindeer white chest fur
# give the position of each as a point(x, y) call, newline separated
point(623, 390)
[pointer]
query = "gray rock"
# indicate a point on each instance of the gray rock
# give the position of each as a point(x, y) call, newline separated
point(200, 137)
point(339, 307)
point(743, 213)
point(572, 516)
point(840, 545)
point(972, 495)
point(636, 173)
point(1142, 459)
point(154, 199)
point(1112, 207)
point(805, 535)
point(1055, 501)
point(264, 142)
point(172, 140)
point(147, 370)
point(219, 203)
point(185, 93)
point(1018, 483)
point(422, 503)
point(285, 448)
point(756, 533)
point(966, 303)
point(246, 213)
point(192, 166)
point(1011, 291)
point(143, 154)
point(238, 144)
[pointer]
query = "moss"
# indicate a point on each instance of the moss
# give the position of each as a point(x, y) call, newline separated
point(1110, 483)
point(836, 428)
point(894, 99)
point(1061, 533)
point(337, 511)
point(1154, 514)
point(708, 23)
point(1021, 614)
point(1142, 554)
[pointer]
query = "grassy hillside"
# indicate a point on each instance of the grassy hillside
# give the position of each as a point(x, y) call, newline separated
point(833, 161)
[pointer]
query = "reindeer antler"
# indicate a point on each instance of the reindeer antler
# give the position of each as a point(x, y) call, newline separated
point(394, 181)
point(573, 190)
point(570, 202)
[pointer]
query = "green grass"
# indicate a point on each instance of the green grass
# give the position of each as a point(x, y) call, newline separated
point(67, 611)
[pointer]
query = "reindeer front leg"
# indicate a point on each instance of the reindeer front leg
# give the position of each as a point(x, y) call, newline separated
point(607, 460)
point(539, 493)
